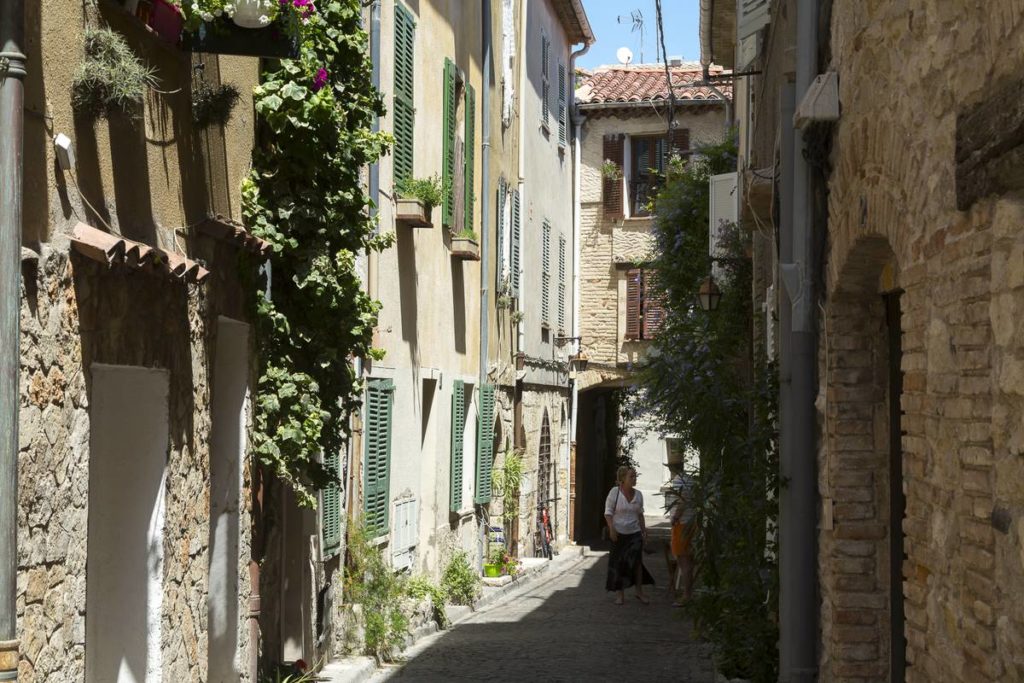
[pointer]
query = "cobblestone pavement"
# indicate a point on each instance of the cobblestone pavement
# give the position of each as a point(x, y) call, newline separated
point(566, 629)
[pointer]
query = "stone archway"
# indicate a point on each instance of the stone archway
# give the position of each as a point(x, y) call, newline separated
point(860, 471)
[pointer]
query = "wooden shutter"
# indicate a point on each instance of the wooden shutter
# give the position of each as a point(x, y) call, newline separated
point(545, 276)
point(612, 187)
point(470, 113)
point(404, 111)
point(458, 430)
point(485, 445)
point(377, 463)
point(330, 509)
point(679, 142)
point(516, 234)
point(500, 251)
point(545, 49)
point(634, 288)
point(652, 306)
point(562, 137)
point(561, 283)
point(448, 144)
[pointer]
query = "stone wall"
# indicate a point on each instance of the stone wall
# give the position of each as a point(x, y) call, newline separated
point(962, 277)
point(536, 402)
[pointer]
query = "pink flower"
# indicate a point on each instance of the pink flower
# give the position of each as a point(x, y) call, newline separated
point(320, 80)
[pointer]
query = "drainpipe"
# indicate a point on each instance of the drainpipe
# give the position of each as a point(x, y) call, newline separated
point(524, 213)
point(485, 203)
point(577, 159)
point(12, 100)
point(798, 500)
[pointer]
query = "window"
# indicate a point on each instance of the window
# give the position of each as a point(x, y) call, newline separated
point(377, 464)
point(404, 111)
point(545, 277)
point(644, 311)
point(459, 151)
point(647, 161)
point(647, 168)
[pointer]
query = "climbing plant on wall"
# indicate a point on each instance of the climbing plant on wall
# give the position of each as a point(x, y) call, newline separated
point(304, 196)
point(710, 388)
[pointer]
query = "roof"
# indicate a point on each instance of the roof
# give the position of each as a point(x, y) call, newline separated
point(114, 250)
point(574, 20)
point(642, 83)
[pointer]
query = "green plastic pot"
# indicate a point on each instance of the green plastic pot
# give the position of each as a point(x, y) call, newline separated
point(492, 570)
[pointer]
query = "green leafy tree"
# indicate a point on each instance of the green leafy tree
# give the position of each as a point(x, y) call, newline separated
point(304, 196)
point(704, 383)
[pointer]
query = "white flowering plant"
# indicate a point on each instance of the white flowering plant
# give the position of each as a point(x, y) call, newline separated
point(246, 13)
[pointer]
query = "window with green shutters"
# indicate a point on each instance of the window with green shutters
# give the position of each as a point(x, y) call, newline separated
point(377, 463)
point(330, 510)
point(561, 283)
point(562, 135)
point(545, 277)
point(485, 445)
point(458, 430)
point(470, 113)
point(516, 235)
point(448, 143)
point(404, 111)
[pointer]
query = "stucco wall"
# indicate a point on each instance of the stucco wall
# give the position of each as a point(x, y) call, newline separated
point(894, 225)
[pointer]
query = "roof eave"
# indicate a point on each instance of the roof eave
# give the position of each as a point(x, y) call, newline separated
point(575, 22)
point(718, 32)
point(637, 104)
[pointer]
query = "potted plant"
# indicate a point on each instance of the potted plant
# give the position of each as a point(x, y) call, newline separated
point(111, 79)
point(254, 28)
point(465, 246)
point(212, 105)
point(417, 198)
point(166, 20)
point(611, 170)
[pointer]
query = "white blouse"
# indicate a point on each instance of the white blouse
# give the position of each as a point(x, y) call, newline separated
point(625, 515)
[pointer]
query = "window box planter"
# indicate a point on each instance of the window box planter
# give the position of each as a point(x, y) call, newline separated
point(465, 249)
point(224, 37)
point(413, 213)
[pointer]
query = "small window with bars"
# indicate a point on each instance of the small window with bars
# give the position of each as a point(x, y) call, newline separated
point(644, 310)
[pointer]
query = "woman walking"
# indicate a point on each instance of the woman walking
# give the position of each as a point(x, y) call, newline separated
point(624, 514)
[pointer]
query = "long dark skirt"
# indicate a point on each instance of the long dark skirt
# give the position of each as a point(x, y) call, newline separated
point(626, 556)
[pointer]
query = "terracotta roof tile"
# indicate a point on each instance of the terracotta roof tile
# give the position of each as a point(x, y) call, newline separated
point(646, 83)
point(116, 250)
point(226, 230)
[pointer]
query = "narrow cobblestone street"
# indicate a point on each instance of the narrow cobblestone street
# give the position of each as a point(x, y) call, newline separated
point(566, 629)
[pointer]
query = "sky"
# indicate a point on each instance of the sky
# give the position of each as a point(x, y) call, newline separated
point(682, 28)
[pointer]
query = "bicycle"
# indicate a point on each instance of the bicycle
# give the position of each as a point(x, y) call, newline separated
point(543, 535)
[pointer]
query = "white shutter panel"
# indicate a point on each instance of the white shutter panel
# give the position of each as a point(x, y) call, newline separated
point(753, 15)
point(723, 212)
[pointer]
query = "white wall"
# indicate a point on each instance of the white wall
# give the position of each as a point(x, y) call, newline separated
point(227, 448)
point(124, 581)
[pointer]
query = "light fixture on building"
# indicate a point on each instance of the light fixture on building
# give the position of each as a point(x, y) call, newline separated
point(709, 294)
point(579, 362)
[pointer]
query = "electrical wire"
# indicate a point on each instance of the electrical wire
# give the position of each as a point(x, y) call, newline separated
point(668, 72)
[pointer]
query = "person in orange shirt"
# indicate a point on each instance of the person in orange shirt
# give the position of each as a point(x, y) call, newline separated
point(682, 536)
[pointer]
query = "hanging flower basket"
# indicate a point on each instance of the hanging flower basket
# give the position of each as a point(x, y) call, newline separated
point(254, 13)
point(224, 37)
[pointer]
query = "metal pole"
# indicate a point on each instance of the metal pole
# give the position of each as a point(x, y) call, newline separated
point(12, 74)
point(485, 187)
point(798, 500)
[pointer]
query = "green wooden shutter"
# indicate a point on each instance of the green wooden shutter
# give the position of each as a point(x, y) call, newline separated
point(561, 283)
point(448, 172)
point(330, 509)
point(485, 445)
point(562, 136)
point(470, 153)
point(377, 462)
point(500, 270)
point(516, 234)
point(404, 111)
point(545, 276)
point(458, 429)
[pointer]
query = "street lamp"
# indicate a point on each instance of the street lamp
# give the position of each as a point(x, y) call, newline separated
point(709, 294)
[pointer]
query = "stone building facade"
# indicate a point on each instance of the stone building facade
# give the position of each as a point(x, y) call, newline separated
point(920, 536)
point(620, 108)
point(136, 543)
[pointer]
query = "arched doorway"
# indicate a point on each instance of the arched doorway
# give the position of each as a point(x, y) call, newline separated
point(862, 539)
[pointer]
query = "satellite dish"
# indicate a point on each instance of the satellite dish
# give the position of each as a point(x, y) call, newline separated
point(624, 55)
